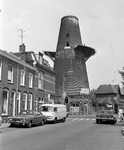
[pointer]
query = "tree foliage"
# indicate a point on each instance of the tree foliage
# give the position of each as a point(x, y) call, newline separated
point(122, 75)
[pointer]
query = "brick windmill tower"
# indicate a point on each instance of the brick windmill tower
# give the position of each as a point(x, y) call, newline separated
point(70, 60)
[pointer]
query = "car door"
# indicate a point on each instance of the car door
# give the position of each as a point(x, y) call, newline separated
point(38, 117)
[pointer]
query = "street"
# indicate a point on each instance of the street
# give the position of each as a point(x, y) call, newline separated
point(77, 133)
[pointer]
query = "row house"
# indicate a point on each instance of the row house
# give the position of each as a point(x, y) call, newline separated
point(45, 77)
point(24, 83)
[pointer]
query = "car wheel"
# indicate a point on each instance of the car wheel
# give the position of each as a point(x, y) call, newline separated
point(29, 124)
point(97, 121)
point(42, 122)
point(113, 122)
point(64, 119)
point(11, 125)
point(55, 120)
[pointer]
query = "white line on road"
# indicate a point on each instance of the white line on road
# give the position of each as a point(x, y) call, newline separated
point(75, 119)
point(87, 119)
point(81, 119)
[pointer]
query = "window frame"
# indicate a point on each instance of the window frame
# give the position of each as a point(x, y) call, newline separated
point(22, 77)
point(30, 101)
point(10, 73)
point(25, 100)
point(30, 80)
point(40, 80)
point(0, 69)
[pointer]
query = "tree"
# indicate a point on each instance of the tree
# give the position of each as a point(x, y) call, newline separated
point(93, 97)
point(122, 75)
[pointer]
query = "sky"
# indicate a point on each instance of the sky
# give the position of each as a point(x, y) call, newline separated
point(101, 25)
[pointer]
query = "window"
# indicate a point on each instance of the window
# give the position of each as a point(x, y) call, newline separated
point(18, 102)
point(30, 80)
point(67, 44)
point(5, 102)
point(36, 103)
point(10, 73)
point(22, 77)
point(40, 80)
point(30, 102)
point(67, 35)
point(0, 69)
point(24, 102)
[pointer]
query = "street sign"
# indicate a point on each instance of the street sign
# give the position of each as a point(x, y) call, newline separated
point(84, 91)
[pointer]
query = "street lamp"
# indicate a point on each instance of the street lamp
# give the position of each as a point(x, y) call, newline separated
point(64, 79)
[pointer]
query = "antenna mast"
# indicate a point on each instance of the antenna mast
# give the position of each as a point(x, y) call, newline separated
point(22, 34)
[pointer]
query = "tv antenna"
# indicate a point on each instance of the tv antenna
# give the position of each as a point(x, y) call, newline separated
point(22, 34)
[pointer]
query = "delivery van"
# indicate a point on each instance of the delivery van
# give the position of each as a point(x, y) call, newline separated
point(54, 112)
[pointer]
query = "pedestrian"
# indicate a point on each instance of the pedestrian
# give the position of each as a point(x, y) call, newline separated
point(120, 114)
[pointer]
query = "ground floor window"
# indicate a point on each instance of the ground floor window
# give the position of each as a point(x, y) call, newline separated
point(18, 102)
point(30, 102)
point(24, 101)
point(36, 103)
point(5, 102)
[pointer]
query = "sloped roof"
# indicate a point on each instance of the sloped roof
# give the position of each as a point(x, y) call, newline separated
point(107, 89)
point(16, 59)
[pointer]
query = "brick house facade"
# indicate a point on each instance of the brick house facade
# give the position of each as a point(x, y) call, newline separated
point(23, 85)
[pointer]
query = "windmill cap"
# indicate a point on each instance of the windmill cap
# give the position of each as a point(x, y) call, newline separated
point(69, 17)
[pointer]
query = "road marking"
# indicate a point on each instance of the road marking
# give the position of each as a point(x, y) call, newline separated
point(81, 119)
point(87, 119)
point(75, 119)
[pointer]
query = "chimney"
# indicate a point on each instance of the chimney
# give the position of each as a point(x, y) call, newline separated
point(22, 48)
point(22, 52)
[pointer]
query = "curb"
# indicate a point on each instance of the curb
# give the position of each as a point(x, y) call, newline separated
point(4, 125)
point(122, 130)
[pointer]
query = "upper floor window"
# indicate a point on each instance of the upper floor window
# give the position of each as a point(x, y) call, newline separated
point(30, 80)
point(0, 69)
point(10, 73)
point(67, 35)
point(22, 77)
point(40, 80)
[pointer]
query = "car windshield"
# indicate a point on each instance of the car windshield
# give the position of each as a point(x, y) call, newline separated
point(47, 108)
point(106, 112)
point(25, 112)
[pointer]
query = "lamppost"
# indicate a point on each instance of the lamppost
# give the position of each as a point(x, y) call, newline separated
point(64, 79)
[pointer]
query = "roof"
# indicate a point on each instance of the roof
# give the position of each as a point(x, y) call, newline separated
point(16, 59)
point(107, 89)
point(54, 105)
point(87, 51)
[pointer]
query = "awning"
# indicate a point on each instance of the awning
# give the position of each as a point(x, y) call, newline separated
point(107, 100)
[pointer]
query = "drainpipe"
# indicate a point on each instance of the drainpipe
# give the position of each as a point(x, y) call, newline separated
point(0, 106)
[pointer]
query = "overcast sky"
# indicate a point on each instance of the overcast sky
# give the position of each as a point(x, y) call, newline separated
point(101, 24)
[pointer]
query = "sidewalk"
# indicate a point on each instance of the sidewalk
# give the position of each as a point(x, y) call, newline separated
point(4, 125)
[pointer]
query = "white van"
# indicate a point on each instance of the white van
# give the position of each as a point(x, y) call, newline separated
point(54, 112)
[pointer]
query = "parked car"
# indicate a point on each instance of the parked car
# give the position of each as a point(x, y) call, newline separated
point(27, 118)
point(106, 116)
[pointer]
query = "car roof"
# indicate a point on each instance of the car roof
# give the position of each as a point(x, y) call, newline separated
point(54, 105)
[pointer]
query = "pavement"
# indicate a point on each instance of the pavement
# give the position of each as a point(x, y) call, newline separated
point(4, 125)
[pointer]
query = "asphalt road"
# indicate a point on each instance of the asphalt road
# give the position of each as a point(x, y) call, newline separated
point(76, 133)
